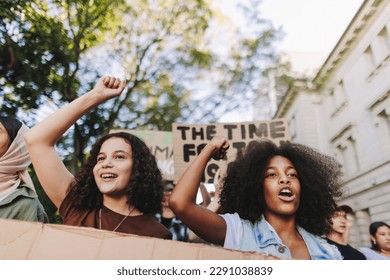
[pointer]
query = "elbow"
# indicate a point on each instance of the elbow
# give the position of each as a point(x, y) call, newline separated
point(28, 138)
point(34, 138)
point(176, 205)
point(31, 139)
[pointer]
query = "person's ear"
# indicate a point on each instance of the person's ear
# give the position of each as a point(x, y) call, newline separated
point(373, 239)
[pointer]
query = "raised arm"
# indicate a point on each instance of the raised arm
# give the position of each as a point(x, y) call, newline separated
point(42, 138)
point(205, 223)
point(213, 206)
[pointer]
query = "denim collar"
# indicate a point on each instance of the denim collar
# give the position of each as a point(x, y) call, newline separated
point(318, 247)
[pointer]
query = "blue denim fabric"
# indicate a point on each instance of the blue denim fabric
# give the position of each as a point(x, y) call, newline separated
point(262, 237)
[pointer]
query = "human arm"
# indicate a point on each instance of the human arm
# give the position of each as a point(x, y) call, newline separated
point(213, 207)
point(205, 223)
point(193, 238)
point(42, 138)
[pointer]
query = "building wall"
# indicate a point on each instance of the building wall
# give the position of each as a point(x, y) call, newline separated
point(347, 115)
point(303, 119)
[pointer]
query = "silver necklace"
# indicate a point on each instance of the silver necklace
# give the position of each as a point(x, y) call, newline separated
point(100, 219)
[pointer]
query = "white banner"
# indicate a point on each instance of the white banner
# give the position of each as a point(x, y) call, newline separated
point(192, 270)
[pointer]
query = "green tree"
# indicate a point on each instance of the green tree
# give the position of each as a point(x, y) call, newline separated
point(53, 50)
point(43, 43)
point(248, 62)
point(162, 48)
point(166, 53)
point(156, 42)
point(31, 55)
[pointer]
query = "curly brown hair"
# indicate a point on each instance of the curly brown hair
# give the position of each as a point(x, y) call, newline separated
point(144, 190)
point(319, 176)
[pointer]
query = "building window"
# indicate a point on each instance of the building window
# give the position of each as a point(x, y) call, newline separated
point(380, 47)
point(351, 158)
point(369, 59)
point(380, 110)
point(386, 38)
point(339, 154)
point(377, 53)
point(292, 125)
point(346, 151)
point(382, 125)
point(338, 97)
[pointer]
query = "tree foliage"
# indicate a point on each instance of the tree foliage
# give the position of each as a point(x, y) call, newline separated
point(52, 51)
point(43, 43)
point(156, 41)
point(240, 73)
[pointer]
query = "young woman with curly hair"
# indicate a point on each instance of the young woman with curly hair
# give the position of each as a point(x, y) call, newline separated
point(119, 188)
point(276, 199)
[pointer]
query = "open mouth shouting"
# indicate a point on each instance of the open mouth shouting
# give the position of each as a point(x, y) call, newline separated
point(286, 194)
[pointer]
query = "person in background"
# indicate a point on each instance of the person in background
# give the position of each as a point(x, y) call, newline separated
point(118, 189)
point(168, 219)
point(350, 221)
point(380, 242)
point(337, 235)
point(18, 199)
point(277, 200)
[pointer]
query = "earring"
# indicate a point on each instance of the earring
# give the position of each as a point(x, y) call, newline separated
point(374, 242)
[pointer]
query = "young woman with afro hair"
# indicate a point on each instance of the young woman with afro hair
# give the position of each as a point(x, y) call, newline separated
point(275, 199)
point(119, 188)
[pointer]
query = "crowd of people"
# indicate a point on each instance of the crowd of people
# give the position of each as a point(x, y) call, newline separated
point(280, 200)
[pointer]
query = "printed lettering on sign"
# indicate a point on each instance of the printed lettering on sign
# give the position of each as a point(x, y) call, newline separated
point(190, 139)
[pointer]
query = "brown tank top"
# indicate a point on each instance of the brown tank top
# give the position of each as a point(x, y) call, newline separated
point(143, 225)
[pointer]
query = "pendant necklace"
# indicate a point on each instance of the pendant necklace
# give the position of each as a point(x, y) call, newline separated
point(100, 219)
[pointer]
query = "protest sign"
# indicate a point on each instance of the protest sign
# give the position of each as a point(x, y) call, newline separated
point(190, 139)
point(21, 240)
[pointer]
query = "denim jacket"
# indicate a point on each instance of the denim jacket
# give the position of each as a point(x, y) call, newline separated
point(262, 237)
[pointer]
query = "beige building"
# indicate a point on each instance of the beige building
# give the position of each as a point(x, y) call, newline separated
point(344, 111)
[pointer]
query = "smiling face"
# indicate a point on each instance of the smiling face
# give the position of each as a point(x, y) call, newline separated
point(4, 140)
point(281, 187)
point(113, 168)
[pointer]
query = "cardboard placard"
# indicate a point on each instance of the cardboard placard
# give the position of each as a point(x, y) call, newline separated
point(190, 139)
point(160, 144)
point(20, 240)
